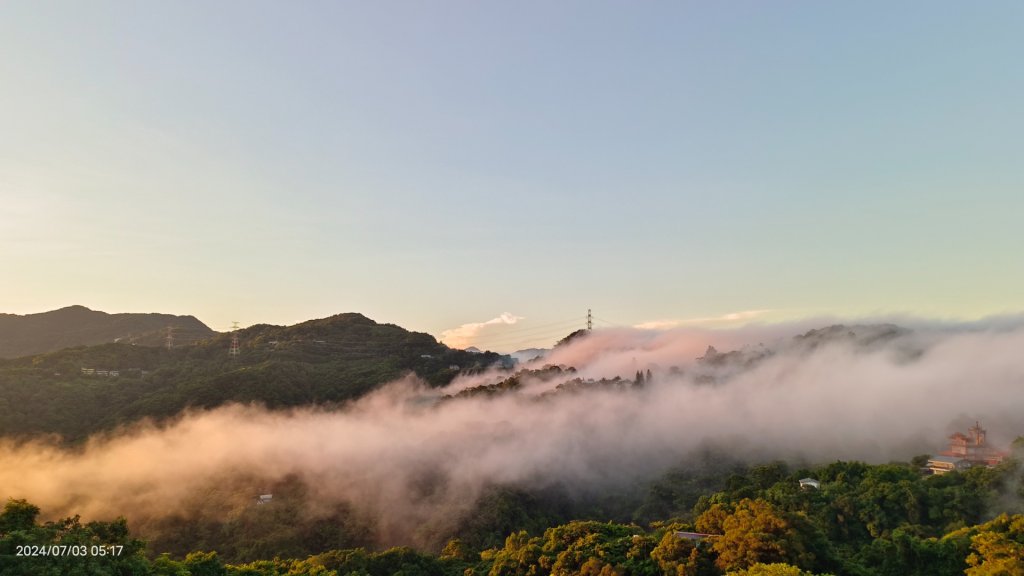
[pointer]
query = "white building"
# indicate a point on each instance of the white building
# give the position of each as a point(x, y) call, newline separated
point(810, 483)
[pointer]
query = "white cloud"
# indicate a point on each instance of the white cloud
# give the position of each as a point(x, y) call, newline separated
point(465, 335)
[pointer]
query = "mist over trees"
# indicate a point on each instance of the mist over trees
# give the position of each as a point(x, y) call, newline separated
point(864, 519)
point(590, 461)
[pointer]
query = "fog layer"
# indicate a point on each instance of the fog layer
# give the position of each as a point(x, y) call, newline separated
point(408, 456)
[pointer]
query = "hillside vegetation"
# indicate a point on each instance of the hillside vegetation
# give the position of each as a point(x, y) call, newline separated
point(884, 520)
point(318, 362)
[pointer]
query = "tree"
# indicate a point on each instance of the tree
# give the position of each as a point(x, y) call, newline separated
point(455, 550)
point(519, 556)
point(204, 564)
point(18, 515)
point(165, 566)
point(905, 554)
point(756, 533)
point(998, 548)
point(676, 556)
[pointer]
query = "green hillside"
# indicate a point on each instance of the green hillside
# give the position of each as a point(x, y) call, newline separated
point(75, 392)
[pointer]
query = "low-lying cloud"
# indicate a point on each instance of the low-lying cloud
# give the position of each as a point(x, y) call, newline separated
point(838, 399)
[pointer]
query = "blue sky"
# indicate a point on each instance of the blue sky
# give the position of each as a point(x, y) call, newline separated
point(437, 164)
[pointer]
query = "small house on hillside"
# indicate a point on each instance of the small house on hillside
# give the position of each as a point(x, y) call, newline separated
point(697, 538)
point(693, 536)
point(806, 483)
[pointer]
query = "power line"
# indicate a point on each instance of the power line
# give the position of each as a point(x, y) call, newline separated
point(526, 332)
point(539, 326)
point(526, 336)
point(504, 342)
point(509, 342)
point(503, 339)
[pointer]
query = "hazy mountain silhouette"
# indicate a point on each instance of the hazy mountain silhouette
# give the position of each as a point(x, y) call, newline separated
point(77, 326)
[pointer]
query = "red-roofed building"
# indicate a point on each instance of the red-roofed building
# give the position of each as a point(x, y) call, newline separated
point(966, 451)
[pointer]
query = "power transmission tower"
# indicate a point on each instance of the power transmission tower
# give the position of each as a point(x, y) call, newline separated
point(590, 320)
point(234, 340)
point(169, 340)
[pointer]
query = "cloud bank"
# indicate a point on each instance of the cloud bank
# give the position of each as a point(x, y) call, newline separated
point(836, 399)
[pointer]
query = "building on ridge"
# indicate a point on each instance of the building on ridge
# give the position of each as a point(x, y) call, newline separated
point(966, 451)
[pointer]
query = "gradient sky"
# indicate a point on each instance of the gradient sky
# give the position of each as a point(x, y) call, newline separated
point(434, 164)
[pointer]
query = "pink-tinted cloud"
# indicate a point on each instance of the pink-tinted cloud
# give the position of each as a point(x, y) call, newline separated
point(730, 319)
point(466, 335)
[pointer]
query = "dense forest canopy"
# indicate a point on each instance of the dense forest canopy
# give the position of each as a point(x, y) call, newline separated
point(887, 520)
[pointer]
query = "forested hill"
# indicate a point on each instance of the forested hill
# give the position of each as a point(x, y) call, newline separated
point(80, 326)
point(75, 392)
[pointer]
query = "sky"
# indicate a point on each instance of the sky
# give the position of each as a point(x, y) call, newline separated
point(511, 165)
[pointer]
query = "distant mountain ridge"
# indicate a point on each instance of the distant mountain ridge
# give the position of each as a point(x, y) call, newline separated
point(25, 335)
point(81, 390)
point(528, 354)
